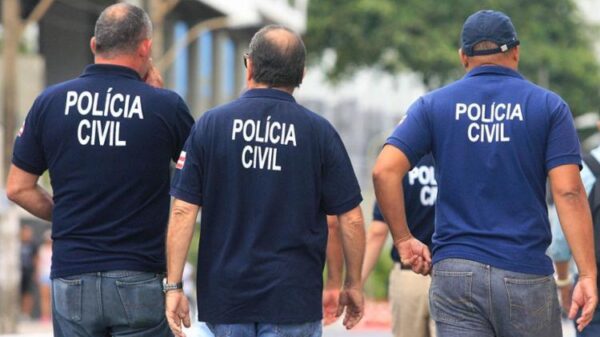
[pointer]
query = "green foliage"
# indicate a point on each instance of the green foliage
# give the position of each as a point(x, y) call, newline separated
point(424, 35)
point(376, 286)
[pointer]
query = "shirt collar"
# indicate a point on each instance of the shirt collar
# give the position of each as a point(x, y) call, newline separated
point(110, 69)
point(493, 70)
point(268, 93)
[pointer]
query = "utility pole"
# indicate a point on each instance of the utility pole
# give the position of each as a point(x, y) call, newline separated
point(9, 223)
point(158, 10)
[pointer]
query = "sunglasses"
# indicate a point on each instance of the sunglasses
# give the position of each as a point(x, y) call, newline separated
point(246, 56)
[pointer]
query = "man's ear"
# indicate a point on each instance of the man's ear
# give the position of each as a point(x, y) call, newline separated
point(249, 69)
point(93, 45)
point(145, 48)
point(515, 53)
point(464, 59)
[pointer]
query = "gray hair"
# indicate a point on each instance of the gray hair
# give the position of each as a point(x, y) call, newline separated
point(485, 45)
point(278, 60)
point(120, 28)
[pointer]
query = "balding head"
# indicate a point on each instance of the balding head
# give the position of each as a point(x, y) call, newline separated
point(119, 30)
point(278, 56)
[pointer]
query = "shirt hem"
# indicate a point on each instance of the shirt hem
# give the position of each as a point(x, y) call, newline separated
point(186, 196)
point(27, 167)
point(104, 267)
point(525, 269)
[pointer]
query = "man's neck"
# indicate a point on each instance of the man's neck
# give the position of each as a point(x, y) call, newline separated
point(254, 85)
point(120, 61)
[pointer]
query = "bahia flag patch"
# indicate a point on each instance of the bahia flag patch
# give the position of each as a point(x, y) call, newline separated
point(180, 161)
point(20, 133)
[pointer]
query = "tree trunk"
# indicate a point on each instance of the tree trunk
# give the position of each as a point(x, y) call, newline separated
point(9, 224)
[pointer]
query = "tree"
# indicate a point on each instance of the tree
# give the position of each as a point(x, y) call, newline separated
point(423, 36)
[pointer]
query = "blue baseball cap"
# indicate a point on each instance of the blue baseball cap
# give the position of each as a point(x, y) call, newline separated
point(488, 25)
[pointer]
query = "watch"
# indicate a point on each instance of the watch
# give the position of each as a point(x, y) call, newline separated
point(166, 287)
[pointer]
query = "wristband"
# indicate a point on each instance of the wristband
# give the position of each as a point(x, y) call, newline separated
point(564, 282)
point(166, 287)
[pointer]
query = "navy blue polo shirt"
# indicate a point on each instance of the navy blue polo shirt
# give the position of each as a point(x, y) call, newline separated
point(420, 191)
point(107, 140)
point(266, 171)
point(494, 136)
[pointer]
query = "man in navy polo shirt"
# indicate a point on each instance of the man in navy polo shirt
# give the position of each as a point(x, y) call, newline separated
point(265, 171)
point(495, 138)
point(407, 291)
point(107, 140)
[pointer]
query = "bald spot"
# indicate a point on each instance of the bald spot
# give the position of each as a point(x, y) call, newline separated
point(283, 39)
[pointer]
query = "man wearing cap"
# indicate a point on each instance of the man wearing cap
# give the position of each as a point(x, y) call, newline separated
point(495, 138)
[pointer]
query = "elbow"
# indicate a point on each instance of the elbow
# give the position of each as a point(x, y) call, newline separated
point(379, 174)
point(332, 223)
point(569, 193)
point(13, 192)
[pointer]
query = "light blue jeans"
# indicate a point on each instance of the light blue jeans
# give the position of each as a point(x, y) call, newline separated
point(115, 303)
point(470, 299)
point(310, 329)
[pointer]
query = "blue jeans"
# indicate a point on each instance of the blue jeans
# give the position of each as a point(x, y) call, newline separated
point(115, 303)
point(470, 299)
point(310, 329)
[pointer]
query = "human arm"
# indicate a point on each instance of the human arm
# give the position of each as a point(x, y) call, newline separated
point(22, 188)
point(376, 236)
point(351, 300)
point(565, 289)
point(575, 218)
point(390, 168)
point(153, 76)
point(179, 236)
point(335, 271)
point(561, 256)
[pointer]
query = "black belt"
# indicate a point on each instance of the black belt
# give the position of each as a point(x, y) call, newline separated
point(403, 266)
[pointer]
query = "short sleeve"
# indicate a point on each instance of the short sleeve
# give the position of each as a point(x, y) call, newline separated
point(563, 145)
point(377, 216)
point(187, 181)
point(181, 129)
point(28, 153)
point(413, 134)
point(340, 191)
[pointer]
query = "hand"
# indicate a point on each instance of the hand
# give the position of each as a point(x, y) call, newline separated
point(177, 312)
point(565, 297)
point(585, 297)
point(153, 77)
point(415, 254)
point(352, 300)
point(330, 305)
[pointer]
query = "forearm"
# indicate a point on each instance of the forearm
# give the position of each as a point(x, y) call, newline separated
point(22, 188)
point(352, 228)
point(179, 237)
point(335, 258)
point(376, 236)
point(390, 168)
point(36, 201)
point(577, 226)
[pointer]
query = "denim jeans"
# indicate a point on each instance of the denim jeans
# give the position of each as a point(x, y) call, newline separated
point(310, 329)
point(115, 303)
point(470, 299)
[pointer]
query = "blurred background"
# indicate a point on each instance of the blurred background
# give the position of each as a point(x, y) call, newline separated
point(368, 61)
